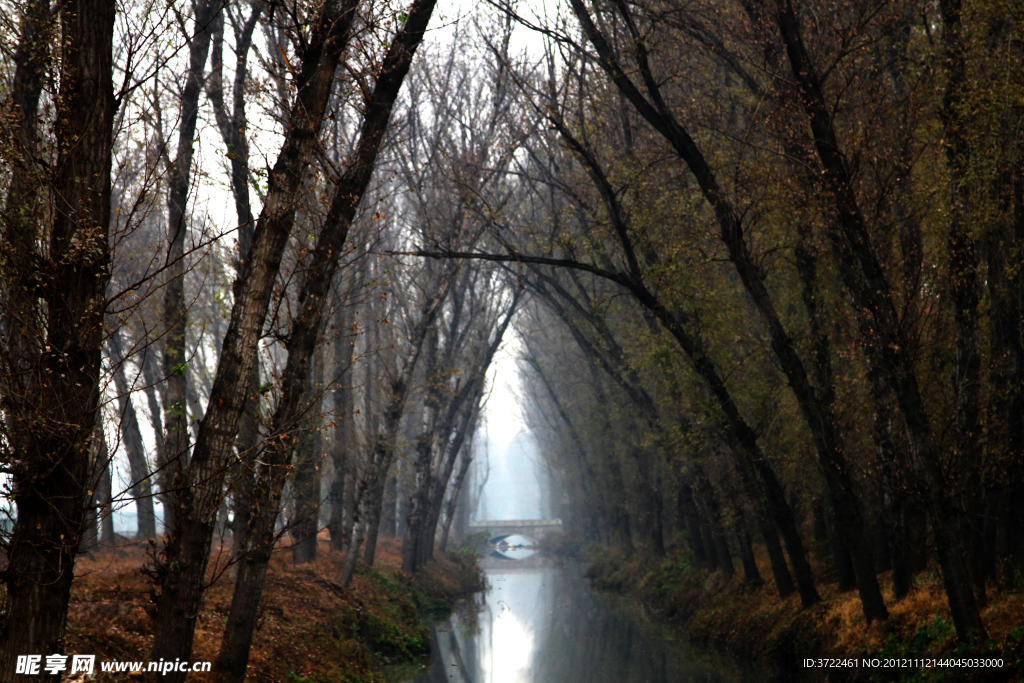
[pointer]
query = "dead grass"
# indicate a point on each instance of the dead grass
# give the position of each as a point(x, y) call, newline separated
point(310, 627)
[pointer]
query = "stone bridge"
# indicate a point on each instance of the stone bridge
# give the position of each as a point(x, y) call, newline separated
point(499, 529)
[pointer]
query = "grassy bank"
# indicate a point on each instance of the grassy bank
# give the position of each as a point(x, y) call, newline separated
point(311, 629)
point(751, 622)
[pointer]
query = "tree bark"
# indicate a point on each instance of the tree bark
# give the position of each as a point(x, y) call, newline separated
point(751, 574)
point(373, 519)
point(177, 424)
point(105, 493)
point(306, 476)
point(963, 282)
point(384, 445)
point(97, 491)
point(456, 493)
point(1006, 378)
point(232, 129)
point(389, 511)
point(690, 518)
point(52, 429)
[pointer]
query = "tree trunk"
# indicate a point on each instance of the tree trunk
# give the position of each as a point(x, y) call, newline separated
point(456, 430)
point(881, 332)
point(344, 415)
point(852, 551)
point(843, 563)
point(708, 539)
point(24, 210)
point(233, 656)
point(52, 429)
point(373, 518)
point(412, 541)
point(722, 552)
point(690, 518)
point(370, 488)
point(153, 380)
point(820, 526)
point(707, 501)
point(962, 248)
point(389, 514)
point(177, 424)
point(1005, 406)
point(306, 477)
point(351, 505)
point(90, 539)
point(751, 574)
point(895, 501)
point(232, 130)
point(355, 530)
point(131, 435)
point(455, 496)
point(105, 496)
point(305, 489)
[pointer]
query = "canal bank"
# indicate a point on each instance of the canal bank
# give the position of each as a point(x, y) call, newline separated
point(829, 641)
point(310, 629)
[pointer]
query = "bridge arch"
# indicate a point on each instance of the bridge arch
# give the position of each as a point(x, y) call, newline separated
point(534, 529)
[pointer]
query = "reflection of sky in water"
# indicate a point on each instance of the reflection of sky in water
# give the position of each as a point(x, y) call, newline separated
point(516, 539)
point(509, 663)
point(514, 547)
point(541, 624)
point(513, 612)
point(513, 554)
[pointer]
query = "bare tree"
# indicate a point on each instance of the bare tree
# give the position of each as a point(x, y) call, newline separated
point(180, 573)
point(54, 296)
point(305, 332)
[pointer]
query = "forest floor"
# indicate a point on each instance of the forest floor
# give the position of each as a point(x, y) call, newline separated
point(753, 623)
point(310, 629)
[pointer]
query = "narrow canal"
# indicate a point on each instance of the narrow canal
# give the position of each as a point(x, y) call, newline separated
point(539, 622)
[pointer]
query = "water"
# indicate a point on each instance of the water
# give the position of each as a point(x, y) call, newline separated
point(539, 622)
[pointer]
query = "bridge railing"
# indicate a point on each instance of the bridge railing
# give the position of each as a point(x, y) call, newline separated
point(514, 523)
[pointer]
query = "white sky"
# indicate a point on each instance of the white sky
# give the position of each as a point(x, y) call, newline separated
point(504, 418)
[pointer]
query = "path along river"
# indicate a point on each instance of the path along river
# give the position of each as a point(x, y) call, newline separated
point(539, 622)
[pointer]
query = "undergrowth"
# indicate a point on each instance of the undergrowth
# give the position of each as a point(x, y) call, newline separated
point(310, 629)
point(753, 623)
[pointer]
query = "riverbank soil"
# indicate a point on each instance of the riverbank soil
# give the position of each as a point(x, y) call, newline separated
point(311, 629)
point(751, 622)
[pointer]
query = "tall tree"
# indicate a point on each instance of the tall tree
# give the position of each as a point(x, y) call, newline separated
point(175, 365)
point(131, 435)
point(180, 572)
point(51, 393)
point(305, 331)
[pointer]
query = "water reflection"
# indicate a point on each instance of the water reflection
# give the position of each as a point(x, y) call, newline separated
point(512, 547)
point(512, 554)
point(538, 623)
